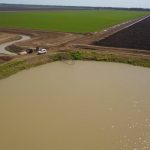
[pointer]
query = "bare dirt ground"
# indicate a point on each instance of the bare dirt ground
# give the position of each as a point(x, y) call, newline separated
point(135, 37)
point(57, 41)
point(52, 41)
point(7, 37)
point(49, 40)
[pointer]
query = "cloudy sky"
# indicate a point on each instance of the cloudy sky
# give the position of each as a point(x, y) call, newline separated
point(111, 3)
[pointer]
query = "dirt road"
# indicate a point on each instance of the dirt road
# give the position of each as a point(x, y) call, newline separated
point(4, 45)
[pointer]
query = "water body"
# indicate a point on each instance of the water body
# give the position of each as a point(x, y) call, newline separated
point(81, 106)
point(4, 45)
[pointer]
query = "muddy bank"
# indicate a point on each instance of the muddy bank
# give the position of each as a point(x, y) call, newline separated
point(27, 62)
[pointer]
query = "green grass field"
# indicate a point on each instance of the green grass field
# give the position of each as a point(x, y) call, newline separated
point(67, 21)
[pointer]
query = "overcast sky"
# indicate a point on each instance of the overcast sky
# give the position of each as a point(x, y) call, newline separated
point(111, 3)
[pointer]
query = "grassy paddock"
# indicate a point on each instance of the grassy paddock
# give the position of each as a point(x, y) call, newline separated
point(12, 67)
point(67, 21)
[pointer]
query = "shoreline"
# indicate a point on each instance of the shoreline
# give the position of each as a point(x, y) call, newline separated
point(16, 65)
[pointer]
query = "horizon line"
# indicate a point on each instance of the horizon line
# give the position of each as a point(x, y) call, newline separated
point(76, 6)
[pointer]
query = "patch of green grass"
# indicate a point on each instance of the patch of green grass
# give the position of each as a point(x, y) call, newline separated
point(67, 21)
point(10, 68)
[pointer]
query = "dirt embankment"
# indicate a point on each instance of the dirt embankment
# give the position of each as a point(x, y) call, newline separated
point(4, 58)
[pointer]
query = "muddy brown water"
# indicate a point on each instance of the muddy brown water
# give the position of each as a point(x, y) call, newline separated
point(81, 106)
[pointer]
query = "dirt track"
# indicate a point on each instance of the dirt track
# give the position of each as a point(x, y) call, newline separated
point(3, 46)
point(49, 40)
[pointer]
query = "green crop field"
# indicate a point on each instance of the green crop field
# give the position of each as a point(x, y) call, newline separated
point(67, 21)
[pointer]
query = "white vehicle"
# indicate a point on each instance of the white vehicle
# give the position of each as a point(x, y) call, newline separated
point(42, 51)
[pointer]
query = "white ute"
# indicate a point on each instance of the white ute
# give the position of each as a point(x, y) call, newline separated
point(42, 51)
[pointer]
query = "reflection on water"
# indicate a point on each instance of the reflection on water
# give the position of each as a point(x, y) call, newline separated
point(85, 106)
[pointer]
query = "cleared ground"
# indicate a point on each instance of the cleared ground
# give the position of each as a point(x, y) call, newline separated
point(67, 21)
point(133, 37)
point(6, 37)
